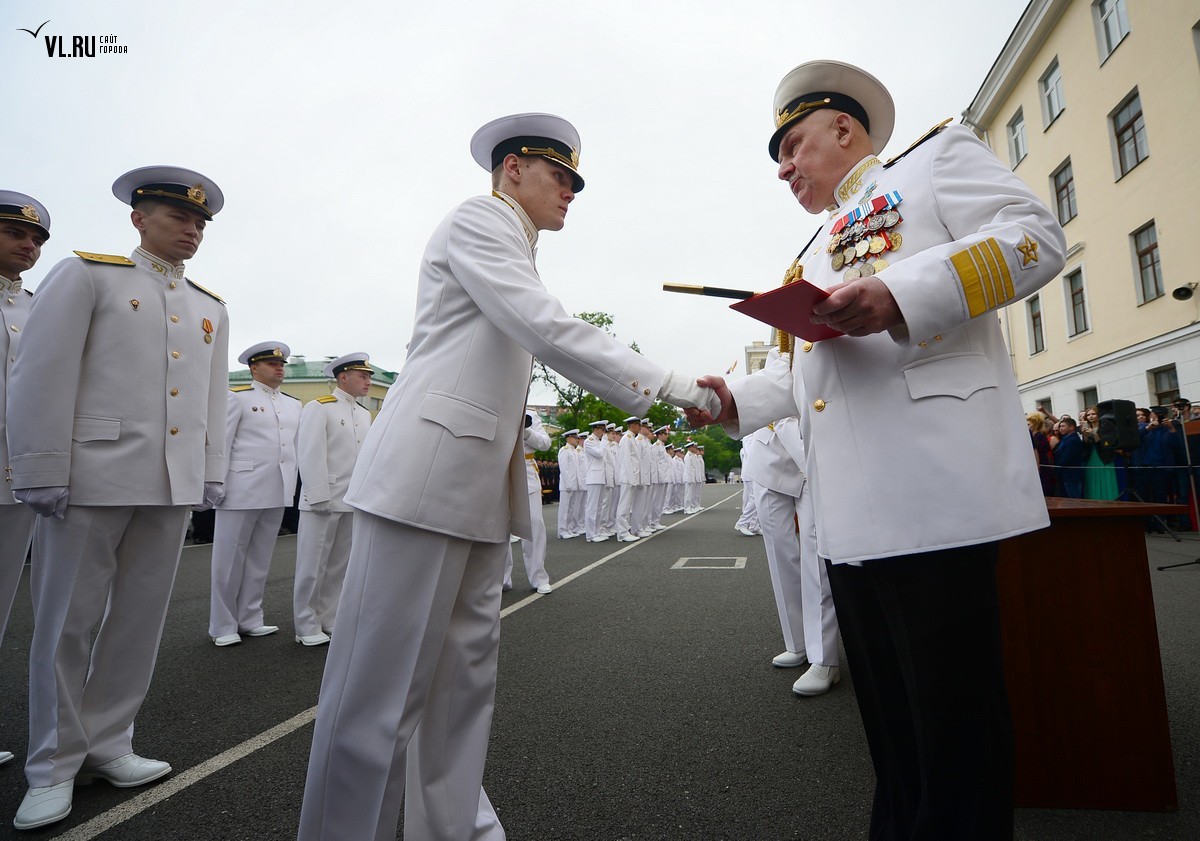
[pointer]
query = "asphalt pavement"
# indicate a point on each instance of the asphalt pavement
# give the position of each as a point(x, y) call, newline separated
point(635, 703)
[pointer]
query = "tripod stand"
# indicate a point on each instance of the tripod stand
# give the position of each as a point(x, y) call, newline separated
point(1195, 427)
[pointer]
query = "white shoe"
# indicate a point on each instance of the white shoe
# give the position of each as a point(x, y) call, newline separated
point(629, 538)
point(599, 538)
point(817, 680)
point(261, 631)
point(124, 772)
point(504, 588)
point(544, 589)
point(44, 805)
point(226, 639)
point(744, 531)
point(5, 756)
point(789, 659)
point(313, 639)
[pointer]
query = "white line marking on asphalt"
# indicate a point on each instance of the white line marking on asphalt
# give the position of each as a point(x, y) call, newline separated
point(135, 806)
point(119, 814)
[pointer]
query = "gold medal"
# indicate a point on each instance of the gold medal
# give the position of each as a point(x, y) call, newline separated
point(868, 269)
point(208, 338)
point(838, 261)
point(880, 264)
point(895, 241)
point(851, 274)
point(848, 255)
point(878, 245)
point(861, 248)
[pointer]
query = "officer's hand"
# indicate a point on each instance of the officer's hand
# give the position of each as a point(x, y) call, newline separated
point(703, 417)
point(45, 502)
point(859, 308)
point(323, 507)
point(214, 495)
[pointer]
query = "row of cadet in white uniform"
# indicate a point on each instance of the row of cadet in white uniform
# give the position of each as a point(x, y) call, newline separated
point(614, 484)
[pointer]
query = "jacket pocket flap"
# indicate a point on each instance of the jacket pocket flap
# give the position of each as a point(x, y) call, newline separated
point(240, 466)
point(957, 375)
point(457, 415)
point(96, 429)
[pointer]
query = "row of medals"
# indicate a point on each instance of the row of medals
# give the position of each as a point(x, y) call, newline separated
point(859, 247)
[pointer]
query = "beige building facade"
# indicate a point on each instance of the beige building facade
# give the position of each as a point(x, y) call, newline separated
point(1095, 104)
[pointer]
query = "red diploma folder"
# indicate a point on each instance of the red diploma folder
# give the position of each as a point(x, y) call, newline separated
point(788, 309)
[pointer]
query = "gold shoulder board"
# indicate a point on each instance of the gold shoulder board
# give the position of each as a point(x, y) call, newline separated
point(933, 132)
point(111, 259)
point(237, 388)
point(328, 398)
point(207, 292)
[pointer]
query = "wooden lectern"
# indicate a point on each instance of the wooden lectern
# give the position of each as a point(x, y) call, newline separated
point(1082, 663)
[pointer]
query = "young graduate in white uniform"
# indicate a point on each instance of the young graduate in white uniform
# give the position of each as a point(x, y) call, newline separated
point(261, 426)
point(24, 229)
point(533, 548)
point(594, 450)
point(569, 484)
point(406, 701)
point(112, 458)
point(332, 430)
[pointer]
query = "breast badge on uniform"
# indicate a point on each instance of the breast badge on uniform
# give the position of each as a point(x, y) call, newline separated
point(860, 238)
point(207, 327)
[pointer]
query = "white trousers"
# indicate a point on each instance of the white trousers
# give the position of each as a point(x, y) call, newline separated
point(533, 552)
point(243, 541)
point(608, 509)
point(322, 550)
point(113, 566)
point(692, 496)
point(592, 523)
point(409, 687)
point(749, 518)
point(577, 505)
point(16, 533)
point(624, 507)
point(802, 595)
point(565, 500)
point(639, 514)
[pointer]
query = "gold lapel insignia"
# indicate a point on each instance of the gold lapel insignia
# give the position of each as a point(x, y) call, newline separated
point(135, 303)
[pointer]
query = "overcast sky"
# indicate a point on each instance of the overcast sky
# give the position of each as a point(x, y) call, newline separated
point(339, 134)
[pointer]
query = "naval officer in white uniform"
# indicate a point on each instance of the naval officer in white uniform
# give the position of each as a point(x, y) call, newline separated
point(533, 549)
point(261, 424)
point(918, 256)
point(332, 430)
point(406, 701)
point(112, 458)
point(570, 484)
point(24, 229)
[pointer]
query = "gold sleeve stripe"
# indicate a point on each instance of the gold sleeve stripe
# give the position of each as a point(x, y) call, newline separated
point(984, 275)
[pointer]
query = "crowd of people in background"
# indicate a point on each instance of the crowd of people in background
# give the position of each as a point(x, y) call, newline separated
point(1075, 460)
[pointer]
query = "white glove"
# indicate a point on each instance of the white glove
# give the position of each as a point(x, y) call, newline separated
point(214, 495)
point(683, 392)
point(45, 502)
point(325, 506)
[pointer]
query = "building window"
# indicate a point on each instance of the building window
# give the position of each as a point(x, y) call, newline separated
point(1045, 405)
point(1064, 193)
point(1037, 334)
point(1017, 148)
point(1087, 397)
point(1150, 279)
point(1113, 22)
point(1077, 318)
point(1129, 131)
point(1165, 385)
point(1052, 93)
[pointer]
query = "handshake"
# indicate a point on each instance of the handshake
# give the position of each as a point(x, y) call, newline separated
point(705, 400)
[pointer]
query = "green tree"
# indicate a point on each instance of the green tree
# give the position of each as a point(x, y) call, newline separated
point(582, 407)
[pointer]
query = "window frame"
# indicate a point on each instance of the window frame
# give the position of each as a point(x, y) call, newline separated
point(1075, 303)
point(1048, 92)
point(1139, 270)
point(1035, 323)
point(1018, 142)
point(1135, 126)
point(1057, 191)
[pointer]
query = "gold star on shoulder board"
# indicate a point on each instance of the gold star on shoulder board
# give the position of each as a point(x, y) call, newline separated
point(1029, 251)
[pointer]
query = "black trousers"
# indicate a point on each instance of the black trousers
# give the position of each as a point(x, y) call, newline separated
point(922, 637)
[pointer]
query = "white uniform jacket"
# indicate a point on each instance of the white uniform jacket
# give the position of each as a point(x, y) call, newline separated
point(332, 430)
point(262, 423)
point(456, 409)
point(15, 303)
point(631, 464)
point(915, 439)
point(568, 469)
point(74, 418)
point(534, 438)
point(593, 450)
point(645, 456)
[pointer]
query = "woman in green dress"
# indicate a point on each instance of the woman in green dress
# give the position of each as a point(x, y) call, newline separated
point(1100, 478)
